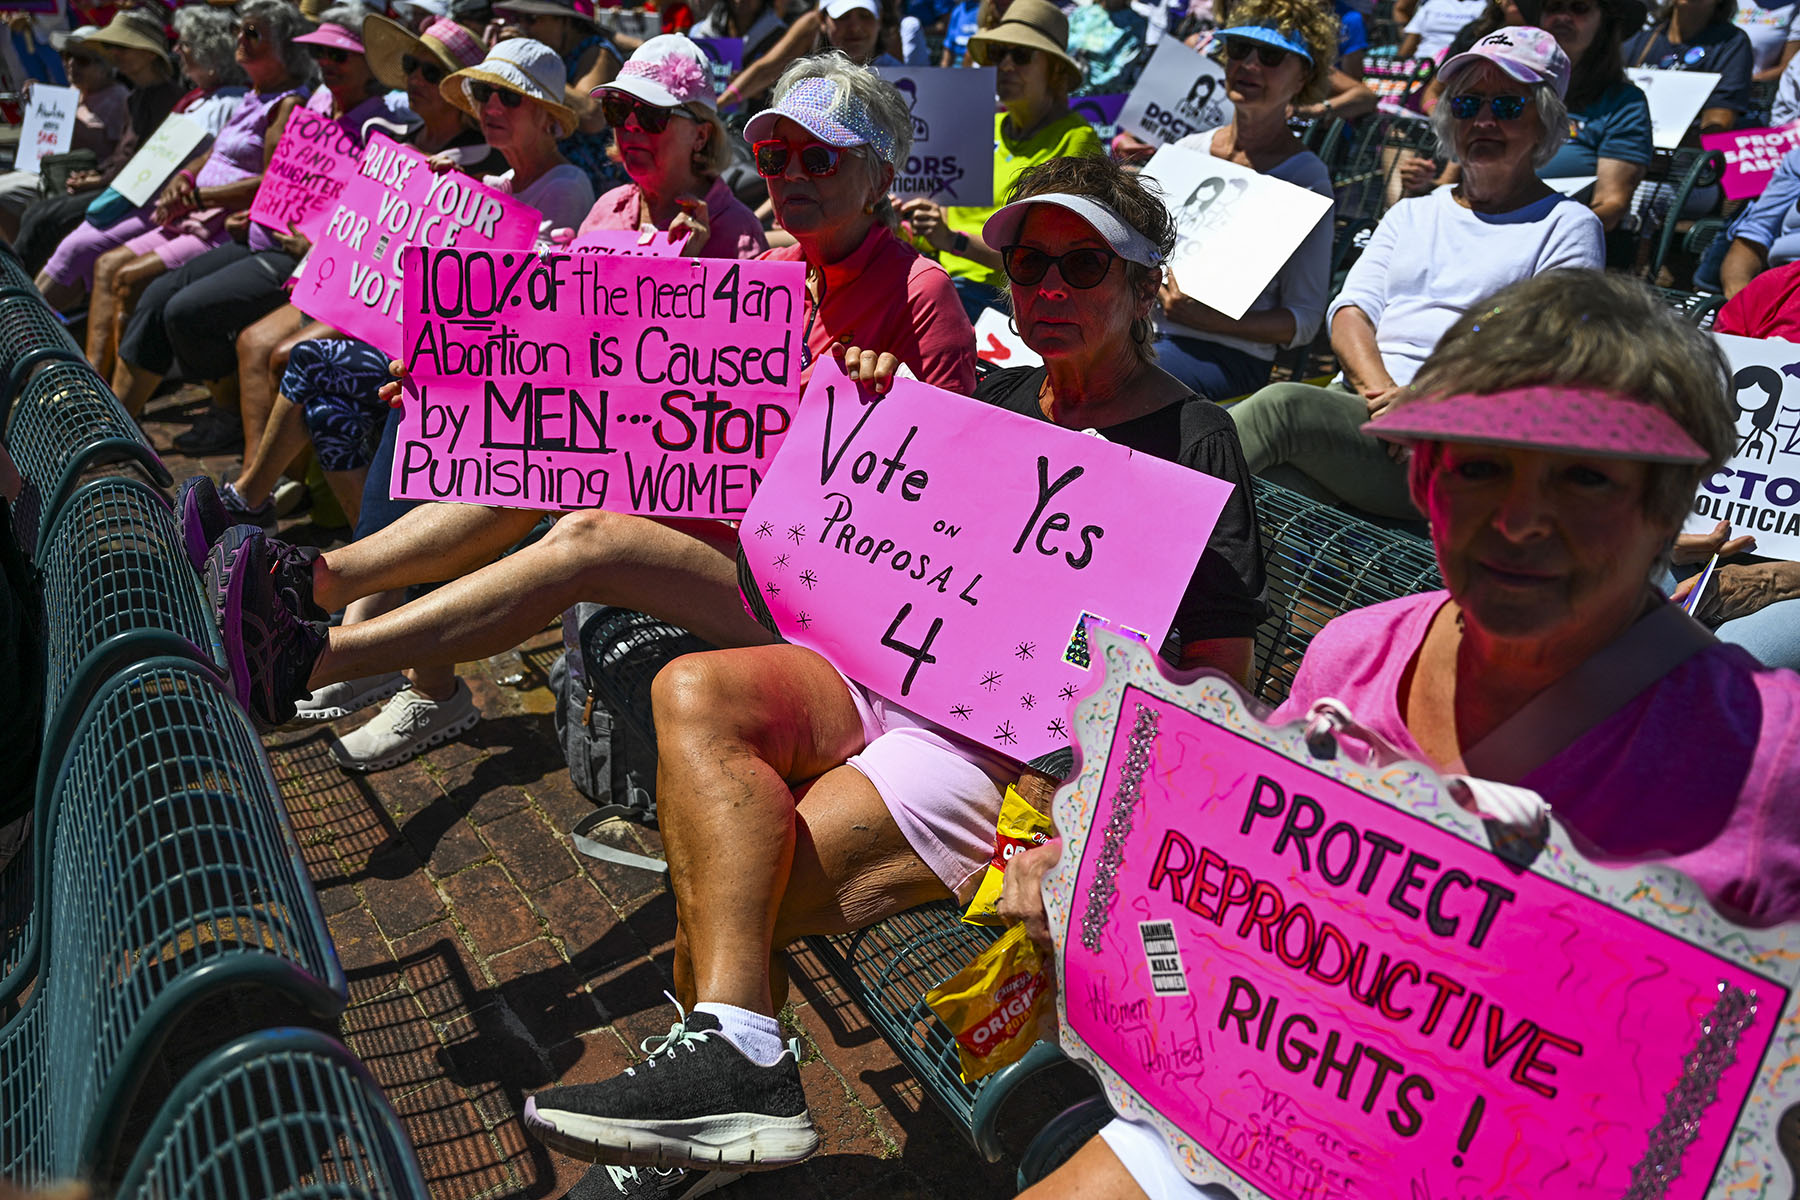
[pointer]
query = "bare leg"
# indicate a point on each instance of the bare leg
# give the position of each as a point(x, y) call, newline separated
point(261, 359)
point(430, 544)
point(682, 572)
point(60, 296)
point(1093, 1173)
point(284, 435)
point(103, 307)
point(347, 488)
point(132, 385)
point(436, 683)
point(752, 865)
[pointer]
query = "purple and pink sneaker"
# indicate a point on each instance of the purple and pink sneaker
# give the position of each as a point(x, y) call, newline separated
point(269, 647)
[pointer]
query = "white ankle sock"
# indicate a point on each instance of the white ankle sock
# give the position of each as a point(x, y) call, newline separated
point(759, 1037)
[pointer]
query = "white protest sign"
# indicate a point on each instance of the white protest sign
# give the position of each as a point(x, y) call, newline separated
point(1574, 185)
point(1181, 91)
point(952, 159)
point(1758, 489)
point(49, 125)
point(1235, 227)
point(173, 143)
point(998, 345)
point(1676, 98)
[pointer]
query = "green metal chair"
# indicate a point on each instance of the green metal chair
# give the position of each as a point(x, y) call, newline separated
point(280, 1114)
point(30, 335)
point(1698, 307)
point(67, 422)
point(168, 876)
point(1685, 171)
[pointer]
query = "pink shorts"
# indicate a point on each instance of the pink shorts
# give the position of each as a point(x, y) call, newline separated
point(942, 791)
point(186, 241)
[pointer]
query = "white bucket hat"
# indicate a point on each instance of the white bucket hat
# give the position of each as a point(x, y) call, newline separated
point(520, 65)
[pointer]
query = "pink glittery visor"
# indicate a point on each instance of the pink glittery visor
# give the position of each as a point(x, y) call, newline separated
point(1565, 420)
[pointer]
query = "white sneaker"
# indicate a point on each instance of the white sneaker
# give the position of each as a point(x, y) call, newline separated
point(408, 725)
point(336, 700)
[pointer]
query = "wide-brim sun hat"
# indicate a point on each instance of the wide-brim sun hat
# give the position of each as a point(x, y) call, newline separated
point(1269, 35)
point(134, 29)
point(1002, 229)
point(830, 113)
point(1524, 52)
point(667, 70)
point(443, 42)
point(1564, 420)
point(336, 37)
point(1035, 24)
point(578, 10)
point(520, 65)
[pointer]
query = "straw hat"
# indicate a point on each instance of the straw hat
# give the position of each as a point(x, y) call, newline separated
point(134, 29)
point(520, 65)
point(444, 42)
point(1035, 24)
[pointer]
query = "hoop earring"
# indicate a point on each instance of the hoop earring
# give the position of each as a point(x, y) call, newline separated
point(869, 208)
point(1012, 323)
point(1142, 330)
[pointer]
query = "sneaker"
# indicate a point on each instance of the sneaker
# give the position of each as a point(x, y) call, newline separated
point(243, 513)
point(203, 518)
point(214, 432)
point(289, 496)
point(697, 1101)
point(407, 726)
point(607, 1182)
point(336, 700)
point(270, 649)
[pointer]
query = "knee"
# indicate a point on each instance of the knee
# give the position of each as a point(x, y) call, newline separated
point(686, 696)
point(583, 540)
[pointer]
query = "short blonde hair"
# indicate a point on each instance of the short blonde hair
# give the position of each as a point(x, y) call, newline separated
point(1312, 22)
point(1573, 328)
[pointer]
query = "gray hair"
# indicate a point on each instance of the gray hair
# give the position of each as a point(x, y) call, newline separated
point(211, 38)
point(887, 110)
point(1553, 117)
point(284, 23)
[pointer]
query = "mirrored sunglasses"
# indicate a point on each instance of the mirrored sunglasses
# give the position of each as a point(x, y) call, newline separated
point(1505, 108)
point(816, 158)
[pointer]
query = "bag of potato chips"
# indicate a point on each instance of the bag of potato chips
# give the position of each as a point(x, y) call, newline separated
point(1020, 828)
point(998, 1005)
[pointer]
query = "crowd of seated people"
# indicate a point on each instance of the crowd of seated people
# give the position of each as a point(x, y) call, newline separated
point(792, 799)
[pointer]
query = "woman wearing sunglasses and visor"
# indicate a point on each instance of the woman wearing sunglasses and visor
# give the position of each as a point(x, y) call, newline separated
point(516, 95)
point(1277, 53)
point(1430, 258)
point(668, 136)
point(1034, 75)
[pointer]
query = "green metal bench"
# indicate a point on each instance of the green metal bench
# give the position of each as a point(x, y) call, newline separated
point(168, 877)
point(66, 423)
point(1698, 307)
point(280, 1114)
point(30, 335)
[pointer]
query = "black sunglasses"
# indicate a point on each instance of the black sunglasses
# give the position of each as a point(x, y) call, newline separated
point(816, 158)
point(1237, 49)
point(249, 33)
point(1019, 56)
point(329, 54)
point(618, 108)
point(479, 93)
point(1575, 8)
point(1079, 268)
point(429, 71)
point(1505, 108)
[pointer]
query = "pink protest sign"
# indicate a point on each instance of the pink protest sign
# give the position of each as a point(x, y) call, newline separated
point(953, 556)
point(1751, 156)
point(627, 241)
point(352, 277)
point(1317, 979)
point(649, 385)
point(312, 163)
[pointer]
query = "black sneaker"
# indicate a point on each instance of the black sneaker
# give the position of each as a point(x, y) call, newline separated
point(607, 1182)
point(268, 647)
point(214, 432)
point(697, 1101)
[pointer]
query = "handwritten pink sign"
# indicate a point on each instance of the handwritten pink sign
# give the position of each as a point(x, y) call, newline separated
point(352, 277)
point(1751, 156)
point(312, 163)
point(1323, 982)
point(652, 385)
point(953, 556)
point(627, 241)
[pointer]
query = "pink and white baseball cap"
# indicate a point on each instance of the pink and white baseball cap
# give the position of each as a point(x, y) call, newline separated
point(1567, 420)
point(1528, 54)
point(667, 70)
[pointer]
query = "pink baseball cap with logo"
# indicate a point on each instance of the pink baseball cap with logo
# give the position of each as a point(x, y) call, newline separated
point(1528, 54)
point(1566, 420)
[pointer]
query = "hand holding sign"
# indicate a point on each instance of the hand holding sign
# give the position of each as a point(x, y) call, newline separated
point(1317, 979)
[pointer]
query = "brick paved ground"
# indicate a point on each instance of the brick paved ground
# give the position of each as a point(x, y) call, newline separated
point(487, 960)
